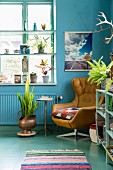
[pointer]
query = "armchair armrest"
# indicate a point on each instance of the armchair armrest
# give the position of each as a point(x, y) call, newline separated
point(84, 117)
point(89, 108)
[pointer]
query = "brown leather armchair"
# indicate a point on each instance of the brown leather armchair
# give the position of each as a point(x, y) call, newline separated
point(85, 98)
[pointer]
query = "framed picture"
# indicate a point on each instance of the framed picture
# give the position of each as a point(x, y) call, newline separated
point(17, 78)
point(24, 49)
point(78, 49)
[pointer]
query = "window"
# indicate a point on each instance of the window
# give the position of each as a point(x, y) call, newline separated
point(36, 14)
point(16, 29)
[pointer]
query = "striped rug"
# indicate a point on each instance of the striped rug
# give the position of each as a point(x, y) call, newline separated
point(55, 160)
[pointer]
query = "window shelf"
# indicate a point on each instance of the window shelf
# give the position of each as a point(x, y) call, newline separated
point(18, 32)
point(31, 84)
point(28, 54)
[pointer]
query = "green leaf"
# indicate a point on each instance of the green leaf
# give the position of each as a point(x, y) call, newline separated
point(99, 70)
point(28, 105)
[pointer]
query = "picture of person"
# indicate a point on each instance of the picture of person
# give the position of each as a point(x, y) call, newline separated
point(24, 49)
point(17, 79)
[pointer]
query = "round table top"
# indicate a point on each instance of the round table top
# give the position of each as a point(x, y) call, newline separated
point(45, 98)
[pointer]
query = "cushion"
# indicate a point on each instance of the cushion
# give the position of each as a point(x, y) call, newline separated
point(67, 113)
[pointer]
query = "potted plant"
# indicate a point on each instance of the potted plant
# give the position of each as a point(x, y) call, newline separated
point(38, 42)
point(27, 119)
point(33, 77)
point(100, 72)
point(45, 68)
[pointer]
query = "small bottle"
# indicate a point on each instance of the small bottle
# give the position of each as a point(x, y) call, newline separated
point(34, 27)
point(24, 25)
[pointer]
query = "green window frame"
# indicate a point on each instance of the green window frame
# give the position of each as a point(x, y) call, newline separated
point(25, 4)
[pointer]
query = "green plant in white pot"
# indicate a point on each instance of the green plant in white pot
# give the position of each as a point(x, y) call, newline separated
point(99, 72)
point(40, 43)
point(27, 119)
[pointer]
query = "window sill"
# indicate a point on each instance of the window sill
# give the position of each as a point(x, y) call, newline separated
point(31, 84)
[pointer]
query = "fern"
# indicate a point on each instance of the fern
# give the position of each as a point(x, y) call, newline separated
point(98, 73)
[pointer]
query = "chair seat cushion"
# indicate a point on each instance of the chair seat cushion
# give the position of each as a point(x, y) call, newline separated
point(66, 114)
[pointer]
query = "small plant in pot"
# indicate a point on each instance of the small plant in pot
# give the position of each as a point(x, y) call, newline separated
point(100, 72)
point(33, 77)
point(27, 119)
point(40, 43)
point(45, 68)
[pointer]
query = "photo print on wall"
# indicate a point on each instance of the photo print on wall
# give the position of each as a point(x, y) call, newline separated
point(78, 49)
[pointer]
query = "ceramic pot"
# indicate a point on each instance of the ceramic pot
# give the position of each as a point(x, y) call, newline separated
point(45, 79)
point(33, 79)
point(41, 50)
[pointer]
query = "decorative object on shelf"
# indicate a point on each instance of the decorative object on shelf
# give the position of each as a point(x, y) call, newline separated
point(33, 77)
point(25, 26)
point(24, 78)
point(25, 64)
point(99, 72)
point(109, 151)
point(39, 43)
point(27, 119)
point(24, 49)
point(16, 51)
point(45, 68)
point(34, 27)
point(3, 77)
point(110, 103)
point(43, 26)
point(17, 78)
point(111, 126)
point(6, 51)
point(40, 50)
point(45, 79)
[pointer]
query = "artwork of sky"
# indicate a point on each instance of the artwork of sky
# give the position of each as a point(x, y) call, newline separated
point(78, 49)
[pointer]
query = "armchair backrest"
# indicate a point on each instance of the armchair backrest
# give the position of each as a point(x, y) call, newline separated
point(85, 93)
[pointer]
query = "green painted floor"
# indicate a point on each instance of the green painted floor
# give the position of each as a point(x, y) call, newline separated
point(13, 148)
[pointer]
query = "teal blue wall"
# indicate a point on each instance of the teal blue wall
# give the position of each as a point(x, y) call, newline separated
point(73, 15)
point(111, 14)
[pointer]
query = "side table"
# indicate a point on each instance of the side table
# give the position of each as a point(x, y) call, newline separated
point(45, 99)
